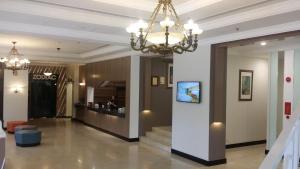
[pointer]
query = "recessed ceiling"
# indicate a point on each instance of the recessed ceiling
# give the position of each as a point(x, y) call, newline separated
point(257, 50)
point(143, 8)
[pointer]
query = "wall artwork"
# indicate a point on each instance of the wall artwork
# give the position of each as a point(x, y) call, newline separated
point(245, 85)
point(154, 81)
point(170, 75)
point(162, 80)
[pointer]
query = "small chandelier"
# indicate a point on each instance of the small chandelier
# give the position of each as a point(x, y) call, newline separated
point(167, 38)
point(15, 61)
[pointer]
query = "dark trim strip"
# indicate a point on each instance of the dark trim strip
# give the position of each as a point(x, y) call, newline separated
point(64, 117)
point(199, 160)
point(267, 152)
point(27, 145)
point(252, 143)
point(108, 132)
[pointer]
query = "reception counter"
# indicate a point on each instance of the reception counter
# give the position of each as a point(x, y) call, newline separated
point(108, 112)
point(112, 123)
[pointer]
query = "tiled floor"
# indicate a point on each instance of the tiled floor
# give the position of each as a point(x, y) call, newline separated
point(68, 145)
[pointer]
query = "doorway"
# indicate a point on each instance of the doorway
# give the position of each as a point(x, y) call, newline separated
point(42, 96)
point(218, 89)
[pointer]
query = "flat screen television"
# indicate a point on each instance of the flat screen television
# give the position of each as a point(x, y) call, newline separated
point(188, 91)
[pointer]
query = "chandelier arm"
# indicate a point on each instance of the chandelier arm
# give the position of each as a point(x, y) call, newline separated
point(177, 17)
point(152, 19)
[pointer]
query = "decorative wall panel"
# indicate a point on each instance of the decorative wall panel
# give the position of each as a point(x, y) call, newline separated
point(61, 84)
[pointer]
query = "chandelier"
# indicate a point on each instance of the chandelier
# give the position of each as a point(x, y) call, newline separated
point(15, 61)
point(165, 38)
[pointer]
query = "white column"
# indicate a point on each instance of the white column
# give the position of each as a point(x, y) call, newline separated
point(272, 101)
point(288, 87)
point(134, 96)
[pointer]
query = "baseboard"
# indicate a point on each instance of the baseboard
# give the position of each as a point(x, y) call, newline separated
point(64, 117)
point(28, 145)
point(252, 143)
point(108, 132)
point(199, 160)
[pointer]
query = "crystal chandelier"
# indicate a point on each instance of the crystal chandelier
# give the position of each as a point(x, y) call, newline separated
point(15, 61)
point(165, 38)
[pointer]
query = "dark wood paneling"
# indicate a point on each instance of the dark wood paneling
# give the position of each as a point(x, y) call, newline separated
point(217, 134)
point(158, 99)
point(114, 70)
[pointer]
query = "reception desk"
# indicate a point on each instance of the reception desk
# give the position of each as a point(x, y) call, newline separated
point(112, 123)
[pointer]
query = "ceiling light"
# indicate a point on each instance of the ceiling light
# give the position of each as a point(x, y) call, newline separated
point(263, 43)
point(15, 61)
point(47, 73)
point(167, 37)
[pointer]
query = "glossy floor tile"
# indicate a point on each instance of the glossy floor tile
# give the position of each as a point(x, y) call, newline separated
point(71, 145)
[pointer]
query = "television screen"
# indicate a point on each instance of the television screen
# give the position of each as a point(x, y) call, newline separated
point(189, 92)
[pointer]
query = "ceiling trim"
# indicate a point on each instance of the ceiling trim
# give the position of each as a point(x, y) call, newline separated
point(253, 14)
point(63, 33)
point(103, 50)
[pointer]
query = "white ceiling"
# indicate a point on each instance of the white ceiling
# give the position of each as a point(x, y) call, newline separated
point(256, 50)
point(26, 42)
point(40, 26)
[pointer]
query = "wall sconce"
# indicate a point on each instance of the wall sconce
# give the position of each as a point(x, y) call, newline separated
point(217, 124)
point(82, 84)
point(16, 89)
point(146, 112)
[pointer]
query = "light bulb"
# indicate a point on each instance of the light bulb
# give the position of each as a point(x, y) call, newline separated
point(190, 25)
point(167, 23)
point(132, 28)
point(141, 24)
point(197, 30)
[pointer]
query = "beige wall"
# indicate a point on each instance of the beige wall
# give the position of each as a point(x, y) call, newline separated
point(11, 112)
point(73, 72)
point(246, 120)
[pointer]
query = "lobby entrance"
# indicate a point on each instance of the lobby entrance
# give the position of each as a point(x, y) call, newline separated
point(42, 96)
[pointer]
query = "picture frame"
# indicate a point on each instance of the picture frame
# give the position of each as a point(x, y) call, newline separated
point(170, 75)
point(189, 92)
point(245, 85)
point(154, 81)
point(162, 80)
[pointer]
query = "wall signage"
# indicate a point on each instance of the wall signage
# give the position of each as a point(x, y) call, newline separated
point(53, 77)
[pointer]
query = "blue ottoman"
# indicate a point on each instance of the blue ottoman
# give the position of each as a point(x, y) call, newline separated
point(28, 138)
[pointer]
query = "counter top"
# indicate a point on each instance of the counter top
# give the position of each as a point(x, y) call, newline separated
point(104, 111)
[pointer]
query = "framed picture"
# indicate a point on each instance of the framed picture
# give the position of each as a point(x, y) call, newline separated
point(162, 80)
point(154, 81)
point(170, 75)
point(245, 85)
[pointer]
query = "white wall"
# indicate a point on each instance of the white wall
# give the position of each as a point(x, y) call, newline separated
point(190, 125)
point(246, 121)
point(15, 105)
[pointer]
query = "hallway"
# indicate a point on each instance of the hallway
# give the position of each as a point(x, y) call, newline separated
point(71, 145)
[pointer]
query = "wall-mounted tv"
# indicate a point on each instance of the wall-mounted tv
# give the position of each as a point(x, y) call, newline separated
point(188, 91)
